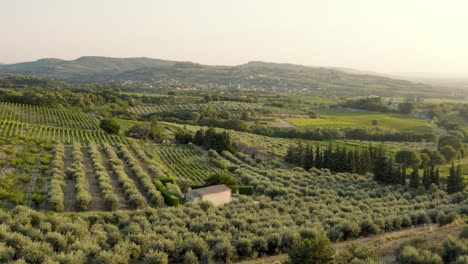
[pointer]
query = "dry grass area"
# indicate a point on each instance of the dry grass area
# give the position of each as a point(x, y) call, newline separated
point(385, 244)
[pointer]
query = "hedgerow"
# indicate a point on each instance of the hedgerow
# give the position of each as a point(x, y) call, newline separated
point(57, 182)
point(108, 193)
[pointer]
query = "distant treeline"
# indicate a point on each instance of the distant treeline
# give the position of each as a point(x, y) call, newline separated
point(214, 98)
point(223, 119)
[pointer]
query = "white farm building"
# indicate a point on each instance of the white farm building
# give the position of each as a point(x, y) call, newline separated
point(217, 195)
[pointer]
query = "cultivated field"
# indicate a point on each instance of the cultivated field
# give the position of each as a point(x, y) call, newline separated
point(343, 118)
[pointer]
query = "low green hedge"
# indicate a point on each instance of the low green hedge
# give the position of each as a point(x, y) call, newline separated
point(169, 198)
point(167, 180)
point(245, 190)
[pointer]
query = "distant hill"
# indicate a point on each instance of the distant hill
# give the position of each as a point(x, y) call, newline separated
point(255, 74)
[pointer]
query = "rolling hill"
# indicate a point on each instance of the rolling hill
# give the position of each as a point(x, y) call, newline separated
point(255, 74)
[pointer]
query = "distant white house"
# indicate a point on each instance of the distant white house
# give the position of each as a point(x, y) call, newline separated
point(217, 195)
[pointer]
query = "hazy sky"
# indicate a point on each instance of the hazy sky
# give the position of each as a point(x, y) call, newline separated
point(378, 35)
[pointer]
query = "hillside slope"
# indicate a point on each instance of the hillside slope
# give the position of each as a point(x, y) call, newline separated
point(250, 75)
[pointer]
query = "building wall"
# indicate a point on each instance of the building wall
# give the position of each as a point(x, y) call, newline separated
point(218, 198)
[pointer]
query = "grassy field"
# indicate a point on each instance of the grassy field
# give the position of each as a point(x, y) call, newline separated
point(444, 100)
point(342, 118)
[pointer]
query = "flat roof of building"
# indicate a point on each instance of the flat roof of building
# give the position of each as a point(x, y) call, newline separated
point(211, 189)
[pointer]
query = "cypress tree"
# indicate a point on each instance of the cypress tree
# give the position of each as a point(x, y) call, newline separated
point(291, 154)
point(427, 179)
point(342, 158)
point(390, 175)
point(327, 157)
point(318, 158)
point(460, 183)
point(414, 178)
point(298, 157)
point(451, 180)
point(366, 164)
point(199, 138)
point(455, 181)
point(403, 175)
point(308, 158)
point(436, 178)
point(380, 168)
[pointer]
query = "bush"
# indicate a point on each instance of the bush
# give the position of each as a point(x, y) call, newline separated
point(156, 257)
point(452, 249)
point(354, 253)
point(57, 241)
point(315, 250)
point(110, 125)
point(190, 258)
point(410, 255)
point(167, 180)
point(223, 251)
point(6, 253)
point(245, 190)
point(464, 233)
point(461, 260)
point(169, 198)
point(243, 247)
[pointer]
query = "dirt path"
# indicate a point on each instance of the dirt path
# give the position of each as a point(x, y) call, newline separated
point(97, 203)
point(385, 244)
point(69, 190)
point(119, 191)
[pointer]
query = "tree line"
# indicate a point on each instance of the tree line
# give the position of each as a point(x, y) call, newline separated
point(385, 168)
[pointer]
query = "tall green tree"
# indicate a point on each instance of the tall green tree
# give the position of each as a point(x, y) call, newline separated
point(110, 125)
point(455, 182)
point(414, 178)
point(408, 158)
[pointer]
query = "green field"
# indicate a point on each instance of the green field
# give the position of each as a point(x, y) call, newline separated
point(444, 100)
point(341, 118)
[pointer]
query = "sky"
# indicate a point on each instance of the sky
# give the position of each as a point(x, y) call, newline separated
point(389, 36)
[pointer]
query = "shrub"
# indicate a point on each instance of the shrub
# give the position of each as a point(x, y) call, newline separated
point(169, 198)
point(110, 125)
point(223, 251)
point(243, 247)
point(156, 257)
point(190, 258)
point(6, 253)
point(464, 233)
point(166, 180)
point(410, 255)
point(245, 190)
point(452, 249)
point(354, 253)
point(315, 250)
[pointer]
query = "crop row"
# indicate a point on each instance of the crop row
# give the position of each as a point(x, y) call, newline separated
point(186, 162)
point(105, 185)
point(78, 173)
point(56, 134)
point(157, 169)
point(145, 180)
point(57, 181)
point(47, 116)
point(131, 192)
point(217, 106)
